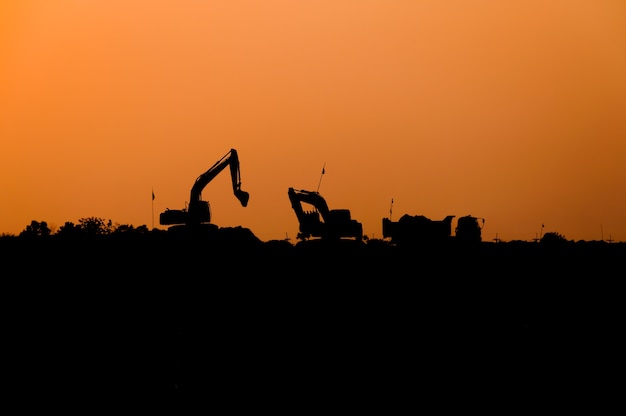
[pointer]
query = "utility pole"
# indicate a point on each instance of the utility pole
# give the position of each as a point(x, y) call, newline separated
point(537, 239)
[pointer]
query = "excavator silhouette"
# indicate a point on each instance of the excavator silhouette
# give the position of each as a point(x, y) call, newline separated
point(198, 213)
point(322, 222)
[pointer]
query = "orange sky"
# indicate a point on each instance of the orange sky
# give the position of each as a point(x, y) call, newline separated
point(511, 111)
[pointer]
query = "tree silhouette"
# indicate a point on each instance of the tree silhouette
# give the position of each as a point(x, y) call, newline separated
point(68, 229)
point(95, 226)
point(86, 227)
point(36, 229)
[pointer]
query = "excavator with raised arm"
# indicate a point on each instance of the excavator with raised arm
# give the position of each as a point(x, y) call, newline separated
point(322, 222)
point(198, 213)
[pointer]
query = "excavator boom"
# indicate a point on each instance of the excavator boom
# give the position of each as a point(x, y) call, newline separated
point(199, 211)
point(229, 159)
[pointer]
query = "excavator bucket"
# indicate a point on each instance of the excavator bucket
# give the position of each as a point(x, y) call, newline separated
point(243, 197)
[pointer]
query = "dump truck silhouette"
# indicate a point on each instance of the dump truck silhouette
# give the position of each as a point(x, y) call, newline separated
point(418, 229)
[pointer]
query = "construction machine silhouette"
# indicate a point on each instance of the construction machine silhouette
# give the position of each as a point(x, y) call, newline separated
point(469, 230)
point(420, 230)
point(322, 222)
point(197, 215)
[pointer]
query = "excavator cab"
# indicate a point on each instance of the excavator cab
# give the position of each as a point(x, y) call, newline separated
point(200, 212)
point(310, 225)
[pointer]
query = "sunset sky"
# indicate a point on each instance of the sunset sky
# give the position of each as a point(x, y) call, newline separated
point(512, 111)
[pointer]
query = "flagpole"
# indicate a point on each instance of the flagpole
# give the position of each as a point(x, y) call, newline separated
point(153, 208)
point(320, 182)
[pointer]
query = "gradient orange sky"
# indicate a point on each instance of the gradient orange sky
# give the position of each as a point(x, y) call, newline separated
point(513, 111)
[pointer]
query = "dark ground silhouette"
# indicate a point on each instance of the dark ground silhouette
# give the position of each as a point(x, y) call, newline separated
point(240, 321)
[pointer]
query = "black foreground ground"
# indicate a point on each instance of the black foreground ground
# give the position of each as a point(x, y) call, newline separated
point(264, 324)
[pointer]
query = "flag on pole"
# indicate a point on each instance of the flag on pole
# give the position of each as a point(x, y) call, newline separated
point(153, 194)
point(321, 176)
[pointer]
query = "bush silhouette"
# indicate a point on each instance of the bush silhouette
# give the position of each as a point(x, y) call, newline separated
point(553, 239)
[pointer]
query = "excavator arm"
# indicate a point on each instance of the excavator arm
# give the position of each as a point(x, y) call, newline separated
point(310, 223)
point(229, 159)
point(299, 196)
point(199, 211)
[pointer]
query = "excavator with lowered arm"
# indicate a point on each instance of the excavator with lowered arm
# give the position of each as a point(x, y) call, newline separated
point(333, 224)
point(199, 211)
